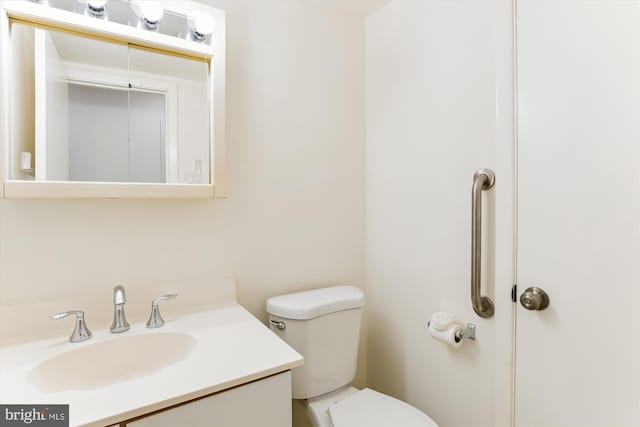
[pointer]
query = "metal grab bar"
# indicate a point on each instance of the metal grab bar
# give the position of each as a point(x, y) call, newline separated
point(483, 179)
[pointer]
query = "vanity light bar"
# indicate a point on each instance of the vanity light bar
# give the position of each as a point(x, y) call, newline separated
point(148, 15)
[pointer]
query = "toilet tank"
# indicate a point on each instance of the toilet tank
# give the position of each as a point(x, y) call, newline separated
point(323, 325)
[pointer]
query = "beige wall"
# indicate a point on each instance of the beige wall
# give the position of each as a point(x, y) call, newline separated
point(294, 217)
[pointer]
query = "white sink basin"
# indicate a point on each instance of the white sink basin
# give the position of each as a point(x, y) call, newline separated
point(92, 366)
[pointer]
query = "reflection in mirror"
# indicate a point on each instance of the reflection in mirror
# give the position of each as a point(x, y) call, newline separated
point(85, 109)
point(184, 85)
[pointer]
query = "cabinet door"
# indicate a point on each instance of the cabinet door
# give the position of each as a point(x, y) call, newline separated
point(51, 110)
point(264, 403)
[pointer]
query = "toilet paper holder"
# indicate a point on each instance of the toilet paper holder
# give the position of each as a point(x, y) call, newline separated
point(468, 332)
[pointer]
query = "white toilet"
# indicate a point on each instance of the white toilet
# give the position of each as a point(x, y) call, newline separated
point(324, 326)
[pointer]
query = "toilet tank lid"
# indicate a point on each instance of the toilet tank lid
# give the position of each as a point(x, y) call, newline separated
point(317, 302)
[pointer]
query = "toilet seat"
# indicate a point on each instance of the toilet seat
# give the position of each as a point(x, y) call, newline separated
point(369, 408)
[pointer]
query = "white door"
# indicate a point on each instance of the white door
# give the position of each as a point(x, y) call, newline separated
point(578, 197)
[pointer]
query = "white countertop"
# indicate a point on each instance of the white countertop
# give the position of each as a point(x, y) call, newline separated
point(232, 348)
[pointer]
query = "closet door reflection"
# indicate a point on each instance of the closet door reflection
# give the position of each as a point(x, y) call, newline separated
point(98, 134)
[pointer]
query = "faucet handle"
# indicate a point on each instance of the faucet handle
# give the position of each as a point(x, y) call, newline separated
point(80, 332)
point(155, 318)
point(163, 298)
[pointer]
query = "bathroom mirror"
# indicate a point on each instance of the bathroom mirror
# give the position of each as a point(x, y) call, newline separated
point(88, 110)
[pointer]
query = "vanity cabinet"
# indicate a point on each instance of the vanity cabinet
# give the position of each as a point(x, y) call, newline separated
point(237, 375)
point(264, 403)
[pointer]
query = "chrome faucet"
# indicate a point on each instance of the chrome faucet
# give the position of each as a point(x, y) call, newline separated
point(120, 323)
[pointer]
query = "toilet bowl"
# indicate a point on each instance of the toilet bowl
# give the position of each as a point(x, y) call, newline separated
point(324, 326)
point(350, 407)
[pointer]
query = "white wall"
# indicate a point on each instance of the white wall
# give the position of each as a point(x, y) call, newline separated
point(294, 217)
point(439, 107)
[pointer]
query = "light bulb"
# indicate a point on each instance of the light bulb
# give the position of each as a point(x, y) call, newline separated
point(201, 25)
point(149, 12)
point(152, 11)
point(96, 7)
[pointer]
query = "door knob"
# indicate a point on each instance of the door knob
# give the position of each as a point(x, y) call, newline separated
point(534, 299)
